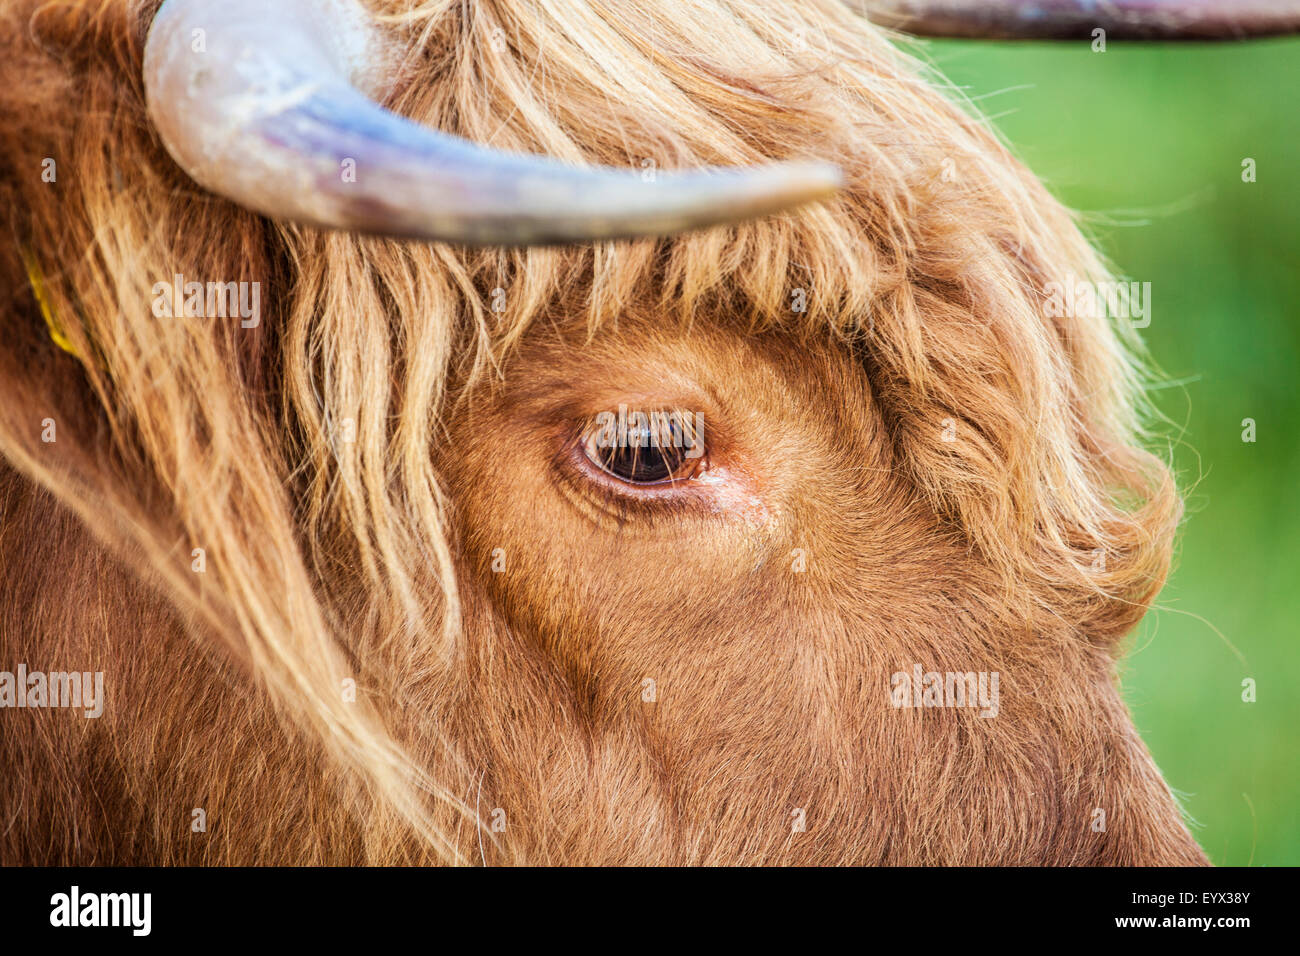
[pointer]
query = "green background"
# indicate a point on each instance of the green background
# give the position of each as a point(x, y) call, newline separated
point(1148, 141)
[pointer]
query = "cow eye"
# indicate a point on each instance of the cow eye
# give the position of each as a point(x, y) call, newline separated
point(647, 449)
point(639, 466)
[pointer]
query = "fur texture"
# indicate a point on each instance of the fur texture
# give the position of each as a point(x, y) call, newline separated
point(949, 460)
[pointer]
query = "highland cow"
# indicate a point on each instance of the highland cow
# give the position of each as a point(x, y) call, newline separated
point(362, 585)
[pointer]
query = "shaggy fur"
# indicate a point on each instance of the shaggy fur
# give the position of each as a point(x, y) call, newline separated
point(949, 462)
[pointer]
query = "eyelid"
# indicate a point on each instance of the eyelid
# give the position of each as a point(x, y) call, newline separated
point(582, 472)
point(722, 485)
point(685, 449)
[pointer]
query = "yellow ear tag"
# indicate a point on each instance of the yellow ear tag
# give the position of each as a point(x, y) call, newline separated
point(43, 300)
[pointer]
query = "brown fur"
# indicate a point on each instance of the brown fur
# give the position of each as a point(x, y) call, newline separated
point(522, 690)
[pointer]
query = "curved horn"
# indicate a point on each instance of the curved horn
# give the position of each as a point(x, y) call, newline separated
point(1075, 19)
point(268, 103)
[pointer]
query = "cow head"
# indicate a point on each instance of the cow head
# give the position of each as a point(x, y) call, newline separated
point(637, 548)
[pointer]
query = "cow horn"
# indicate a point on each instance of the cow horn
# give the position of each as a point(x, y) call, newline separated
point(271, 103)
point(1074, 19)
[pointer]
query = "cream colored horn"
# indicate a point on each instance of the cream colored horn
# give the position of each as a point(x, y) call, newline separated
point(268, 103)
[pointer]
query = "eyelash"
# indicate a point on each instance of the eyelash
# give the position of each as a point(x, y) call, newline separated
point(673, 435)
point(620, 499)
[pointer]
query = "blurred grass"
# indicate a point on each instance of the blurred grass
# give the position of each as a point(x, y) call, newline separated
point(1149, 141)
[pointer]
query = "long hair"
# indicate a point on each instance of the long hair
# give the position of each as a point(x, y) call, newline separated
point(274, 489)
